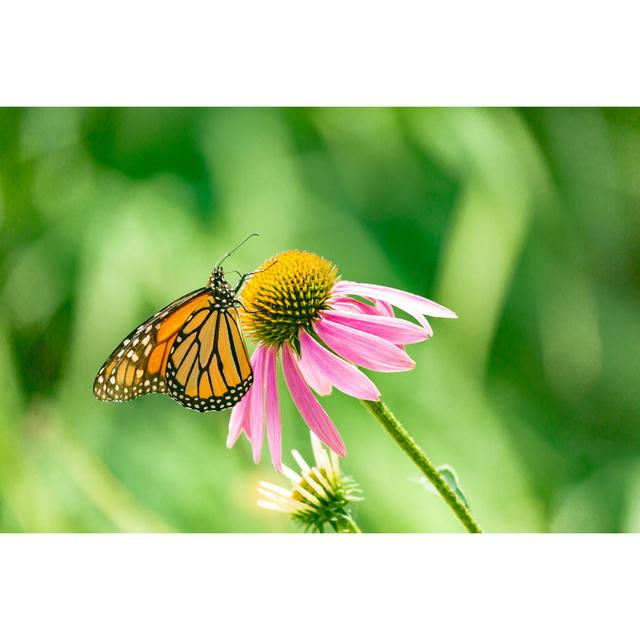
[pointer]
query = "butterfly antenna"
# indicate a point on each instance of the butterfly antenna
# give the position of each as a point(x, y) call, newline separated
point(226, 255)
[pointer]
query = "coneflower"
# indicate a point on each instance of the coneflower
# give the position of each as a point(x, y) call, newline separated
point(297, 309)
point(319, 495)
point(322, 329)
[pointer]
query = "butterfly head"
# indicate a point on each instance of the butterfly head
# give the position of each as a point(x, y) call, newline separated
point(220, 286)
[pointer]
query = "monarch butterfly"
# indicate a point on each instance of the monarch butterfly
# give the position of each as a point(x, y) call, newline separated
point(192, 349)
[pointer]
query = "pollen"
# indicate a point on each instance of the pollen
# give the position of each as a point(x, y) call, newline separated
point(285, 295)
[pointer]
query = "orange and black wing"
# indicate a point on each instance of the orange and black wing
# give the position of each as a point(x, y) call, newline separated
point(138, 365)
point(208, 366)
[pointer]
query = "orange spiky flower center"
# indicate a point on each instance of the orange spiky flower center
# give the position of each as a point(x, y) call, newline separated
point(286, 295)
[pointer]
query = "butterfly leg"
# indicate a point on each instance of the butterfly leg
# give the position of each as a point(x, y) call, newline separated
point(248, 275)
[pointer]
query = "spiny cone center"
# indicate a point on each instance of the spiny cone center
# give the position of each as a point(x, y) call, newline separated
point(287, 295)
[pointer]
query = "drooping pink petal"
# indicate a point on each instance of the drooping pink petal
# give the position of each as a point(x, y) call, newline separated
point(375, 308)
point(311, 411)
point(313, 376)
point(351, 304)
point(239, 420)
point(409, 302)
point(383, 307)
point(256, 403)
point(338, 372)
point(272, 408)
point(362, 348)
point(424, 323)
point(394, 330)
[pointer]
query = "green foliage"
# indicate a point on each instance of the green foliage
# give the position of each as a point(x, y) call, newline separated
point(523, 221)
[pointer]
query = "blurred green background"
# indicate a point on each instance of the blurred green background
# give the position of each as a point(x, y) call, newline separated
point(525, 222)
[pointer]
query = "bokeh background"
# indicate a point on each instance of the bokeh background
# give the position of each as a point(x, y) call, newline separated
point(523, 221)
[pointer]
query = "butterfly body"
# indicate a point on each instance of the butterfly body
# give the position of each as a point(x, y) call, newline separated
point(193, 350)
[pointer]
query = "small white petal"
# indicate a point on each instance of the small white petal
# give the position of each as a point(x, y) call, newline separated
point(289, 505)
point(268, 494)
point(300, 460)
point(270, 506)
point(335, 463)
point(318, 475)
point(309, 496)
point(318, 452)
point(276, 488)
point(291, 475)
point(314, 484)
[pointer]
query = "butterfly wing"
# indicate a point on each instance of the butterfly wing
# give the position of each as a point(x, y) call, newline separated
point(138, 364)
point(208, 366)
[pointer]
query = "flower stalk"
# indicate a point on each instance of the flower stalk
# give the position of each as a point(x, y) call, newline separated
point(347, 525)
point(384, 416)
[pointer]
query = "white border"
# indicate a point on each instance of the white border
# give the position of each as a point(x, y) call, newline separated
point(307, 587)
point(286, 52)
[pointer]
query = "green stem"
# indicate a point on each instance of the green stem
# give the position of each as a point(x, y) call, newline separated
point(381, 412)
point(347, 525)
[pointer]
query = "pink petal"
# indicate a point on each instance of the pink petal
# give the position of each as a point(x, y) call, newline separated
point(256, 404)
point(423, 322)
point(362, 348)
point(394, 330)
point(351, 304)
point(409, 302)
point(313, 376)
point(377, 308)
point(239, 421)
point(311, 411)
point(272, 406)
point(384, 308)
point(338, 372)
